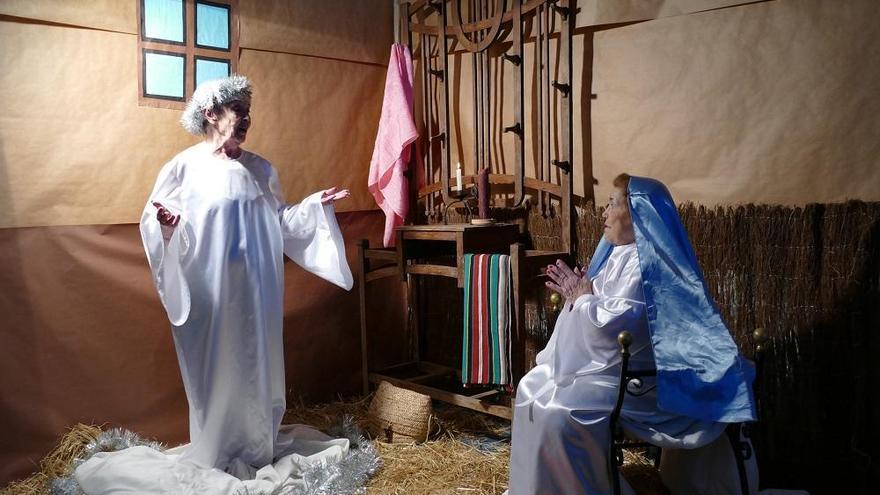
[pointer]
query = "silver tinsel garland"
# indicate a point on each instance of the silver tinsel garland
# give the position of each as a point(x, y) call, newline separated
point(108, 441)
point(348, 476)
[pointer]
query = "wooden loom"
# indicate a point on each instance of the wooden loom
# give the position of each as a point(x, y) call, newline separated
point(501, 38)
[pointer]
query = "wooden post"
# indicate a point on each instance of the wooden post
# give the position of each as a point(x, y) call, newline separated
point(362, 268)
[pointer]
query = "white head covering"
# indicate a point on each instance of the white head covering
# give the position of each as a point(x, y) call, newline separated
point(211, 94)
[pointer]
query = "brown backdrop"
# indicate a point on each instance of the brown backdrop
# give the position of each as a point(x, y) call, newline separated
point(84, 336)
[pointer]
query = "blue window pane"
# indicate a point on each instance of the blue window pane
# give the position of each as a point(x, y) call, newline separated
point(163, 19)
point(210, 69)
point(212, 26)
point(163, 75)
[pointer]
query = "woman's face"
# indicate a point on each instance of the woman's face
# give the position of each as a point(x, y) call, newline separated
point(232, 122)
point(618, 224)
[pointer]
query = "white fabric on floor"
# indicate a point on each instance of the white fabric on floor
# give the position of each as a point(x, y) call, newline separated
point(143, 470)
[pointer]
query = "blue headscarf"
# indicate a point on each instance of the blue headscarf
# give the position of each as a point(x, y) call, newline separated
point(700, 372)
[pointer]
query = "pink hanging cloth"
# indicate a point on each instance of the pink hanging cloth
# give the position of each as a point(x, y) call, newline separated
point(397, 130)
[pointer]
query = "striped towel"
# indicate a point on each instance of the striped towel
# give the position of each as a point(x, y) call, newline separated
point(488, 301)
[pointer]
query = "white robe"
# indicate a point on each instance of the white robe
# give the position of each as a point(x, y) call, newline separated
point(220, 279)
point(561, 434)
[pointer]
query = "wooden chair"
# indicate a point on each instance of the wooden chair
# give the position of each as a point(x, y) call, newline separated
point(631, 383)
point(373, 264)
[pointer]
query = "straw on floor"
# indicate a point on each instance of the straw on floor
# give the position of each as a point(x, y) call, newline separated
point(466, 453)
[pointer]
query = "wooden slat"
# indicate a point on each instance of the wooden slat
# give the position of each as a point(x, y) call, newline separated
point(362, 265)
point(567, 150)
point(482, 395)
point(529, 182)
point(516, 49)
point(385, 271)
point(400, 366)
point(444, 110)
point(439, 270)
point(437, 368)
point(381, 254)
point(474, 26)
point(426, 377)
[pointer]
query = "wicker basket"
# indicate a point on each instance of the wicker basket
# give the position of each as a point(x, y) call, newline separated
point(398, 415)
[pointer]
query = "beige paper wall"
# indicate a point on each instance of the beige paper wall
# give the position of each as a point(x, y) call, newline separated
point(316, 120)
point(110, 15)
point(74, 145)
point(596, 12)
point(342, 29)
point(359, 30)
point(773, 102)
point(77, 149)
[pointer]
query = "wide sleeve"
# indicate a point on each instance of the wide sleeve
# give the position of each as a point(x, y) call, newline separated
point(585, 337)
point(312, 237)
point(165, 249)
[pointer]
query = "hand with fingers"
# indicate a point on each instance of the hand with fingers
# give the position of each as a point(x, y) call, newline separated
point(569, 283)
point(164, 215)
point(333, 194)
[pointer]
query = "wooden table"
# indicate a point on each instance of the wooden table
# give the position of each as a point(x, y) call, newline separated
point(418, 244)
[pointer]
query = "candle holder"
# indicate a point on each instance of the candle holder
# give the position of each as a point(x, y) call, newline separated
point(460, 196)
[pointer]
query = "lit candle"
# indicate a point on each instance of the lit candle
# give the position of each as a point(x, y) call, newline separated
point(458, 176)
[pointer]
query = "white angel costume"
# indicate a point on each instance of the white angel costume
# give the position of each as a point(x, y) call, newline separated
point(220, 278)
point(561, 434)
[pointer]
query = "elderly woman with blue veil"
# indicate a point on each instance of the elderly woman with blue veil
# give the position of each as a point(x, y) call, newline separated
point(215, 230)
point(643, 278)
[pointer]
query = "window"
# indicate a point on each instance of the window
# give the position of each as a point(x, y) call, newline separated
point(182, 43)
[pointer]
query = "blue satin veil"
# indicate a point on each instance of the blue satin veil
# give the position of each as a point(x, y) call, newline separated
point(700, 372)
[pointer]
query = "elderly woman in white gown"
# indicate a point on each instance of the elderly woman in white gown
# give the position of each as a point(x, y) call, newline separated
point(561, 436)
point(215, 229)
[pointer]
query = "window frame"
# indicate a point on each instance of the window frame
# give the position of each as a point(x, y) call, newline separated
point(188, 49)
point(196, 58)
point(196, 25)
point(143, 70)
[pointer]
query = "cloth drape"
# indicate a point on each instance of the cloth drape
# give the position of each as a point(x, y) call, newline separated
point(488, 301)
point(700, 372)
point(391, 153)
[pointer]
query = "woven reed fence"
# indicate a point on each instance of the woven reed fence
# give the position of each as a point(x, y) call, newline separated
point(810, 276)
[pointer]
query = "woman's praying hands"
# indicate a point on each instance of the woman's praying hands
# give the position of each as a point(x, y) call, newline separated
point(569, 283)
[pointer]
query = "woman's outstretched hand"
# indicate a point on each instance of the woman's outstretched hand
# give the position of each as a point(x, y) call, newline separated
point(164, 216)
point(333, 194)
point(569, 283)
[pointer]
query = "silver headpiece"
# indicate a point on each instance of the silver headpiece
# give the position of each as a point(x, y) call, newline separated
point(211, 94)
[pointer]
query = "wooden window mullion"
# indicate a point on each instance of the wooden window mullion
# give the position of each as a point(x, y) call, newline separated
point(189, 84)
point(188, 50)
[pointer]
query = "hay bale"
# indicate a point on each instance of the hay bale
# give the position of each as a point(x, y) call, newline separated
point(36, 484)
point(57, 463)
point(398, 415)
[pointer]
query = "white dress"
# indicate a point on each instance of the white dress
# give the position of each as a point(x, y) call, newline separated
point(220, 278)
point(561, 436)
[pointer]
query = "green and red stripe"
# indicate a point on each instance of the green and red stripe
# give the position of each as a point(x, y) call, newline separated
point(486, 332)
